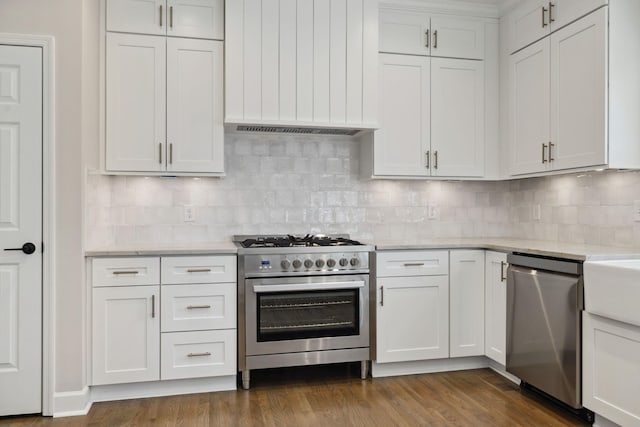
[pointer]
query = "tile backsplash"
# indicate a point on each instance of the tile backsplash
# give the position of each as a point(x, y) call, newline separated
point(306, 184)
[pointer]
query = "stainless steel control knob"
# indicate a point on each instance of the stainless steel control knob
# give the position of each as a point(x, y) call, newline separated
point(319, 263)
point(331, 263)
point(297, 263)
point(285, 264)
point(344, 262)
point(355, 262)
point(308, 263)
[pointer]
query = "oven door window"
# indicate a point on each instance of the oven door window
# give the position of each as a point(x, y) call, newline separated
point(314, 314)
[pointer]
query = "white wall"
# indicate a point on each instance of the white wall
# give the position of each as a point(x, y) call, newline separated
point(62, 19)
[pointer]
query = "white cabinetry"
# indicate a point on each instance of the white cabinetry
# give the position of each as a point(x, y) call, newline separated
point(571, 92)
point(301, 63)
point(164, 104)
point(126, 321)
point(611, 373)
point(164, 318)
point(431, 118)
point(495, 321)
point(466, 295)
point(535, 19)
point(181, 18)
point(412, 306)
point(416, 33)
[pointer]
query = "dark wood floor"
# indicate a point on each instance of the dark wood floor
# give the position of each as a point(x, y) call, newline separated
point(333, 396)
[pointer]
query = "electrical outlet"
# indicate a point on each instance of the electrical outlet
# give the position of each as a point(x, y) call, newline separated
point(433, 213)
point(636, 210)
point(188, 213)
point(536, 213)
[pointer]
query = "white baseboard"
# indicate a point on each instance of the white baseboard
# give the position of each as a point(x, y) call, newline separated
point(71, 403)
point(104, 393)
point(499, 369)
point(601, 421)
point(379, 370)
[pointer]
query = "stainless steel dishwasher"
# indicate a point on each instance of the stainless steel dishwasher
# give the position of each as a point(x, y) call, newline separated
point(544, 328)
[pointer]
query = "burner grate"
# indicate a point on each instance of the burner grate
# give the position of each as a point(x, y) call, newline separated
point(309, 240)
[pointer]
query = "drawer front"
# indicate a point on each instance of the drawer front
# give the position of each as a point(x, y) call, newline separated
point(198, 354)
point(198, 307)
point(125, 271)
point(198, 269)
point(412, 263)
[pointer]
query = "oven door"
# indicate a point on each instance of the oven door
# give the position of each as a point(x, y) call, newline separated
point(298, 314)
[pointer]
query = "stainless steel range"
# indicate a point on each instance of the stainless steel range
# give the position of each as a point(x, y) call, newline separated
point(302, 300)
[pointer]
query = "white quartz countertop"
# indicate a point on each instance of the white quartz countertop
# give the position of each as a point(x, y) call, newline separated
point(535, 247)
point(201, 248)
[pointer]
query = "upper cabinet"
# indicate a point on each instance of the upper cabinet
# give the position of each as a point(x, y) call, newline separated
point(535, 19)
point(180, 18)
point(301, 63)
point(415, 33)
point(570, 95)
point(164, 96)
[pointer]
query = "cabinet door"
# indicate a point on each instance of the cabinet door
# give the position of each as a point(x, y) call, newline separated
point(496, 306)
point(126, 334)
point(402, 143)
point(137, 16)
point(528, 22)
point(457, 37)
point(611, 373)
point(195, 129)
point(202, 19)
point(529, 109)
point(457, 117)
point(579, 93)
point(404, 32)
point(135, 122)
point(466, 293)
point(563, 12)
point(412, 318)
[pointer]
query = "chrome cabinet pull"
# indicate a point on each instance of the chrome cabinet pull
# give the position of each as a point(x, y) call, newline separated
point(206, 353)
point(426, 35)
point(428, 160)
point(544, 10)
point(160, 153)
point(153, 306)
point(381, 296)
point(544, 147)
point(503, 277)
point(199, 270)
point(170, 16)
point(435, 39)
point(435, 160)
point(414, 264)
point(194, 307)
point(161, 15)
point(551, 18)
point(551, 145)
point(171, 153)
point(118, 273)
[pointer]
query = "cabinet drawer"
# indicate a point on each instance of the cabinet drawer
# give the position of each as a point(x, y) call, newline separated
point(412, 263)
point(125, 271)
point(198, 354)
point(198, 269)
point(198, 307)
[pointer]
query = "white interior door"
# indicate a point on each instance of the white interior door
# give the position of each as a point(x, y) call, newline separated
point(20, 223)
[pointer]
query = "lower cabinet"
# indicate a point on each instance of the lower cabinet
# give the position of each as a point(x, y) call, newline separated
point(412, 318)
point(126, 334)
point(466, 293)
point(610, 369)
point(144, 329)
point(495, 298)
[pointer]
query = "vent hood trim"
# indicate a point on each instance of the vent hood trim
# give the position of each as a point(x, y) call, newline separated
point(301, 128)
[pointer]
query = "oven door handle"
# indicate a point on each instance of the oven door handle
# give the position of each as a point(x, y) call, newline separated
point(292, 287)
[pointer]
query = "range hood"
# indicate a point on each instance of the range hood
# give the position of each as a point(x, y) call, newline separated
point(297, 128)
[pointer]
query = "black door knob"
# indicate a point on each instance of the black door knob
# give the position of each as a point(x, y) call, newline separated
point(28, 248)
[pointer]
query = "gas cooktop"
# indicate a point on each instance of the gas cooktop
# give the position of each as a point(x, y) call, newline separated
point(292, 241)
